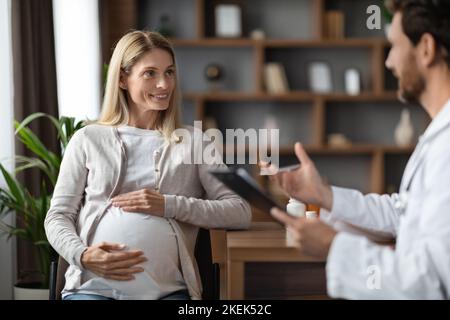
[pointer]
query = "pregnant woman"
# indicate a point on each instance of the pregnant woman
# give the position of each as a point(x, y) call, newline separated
point(126, 209)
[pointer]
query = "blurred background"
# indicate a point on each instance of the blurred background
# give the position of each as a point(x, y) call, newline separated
point(314, 69)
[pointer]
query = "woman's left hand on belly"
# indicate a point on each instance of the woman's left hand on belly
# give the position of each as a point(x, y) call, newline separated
point(143, 201)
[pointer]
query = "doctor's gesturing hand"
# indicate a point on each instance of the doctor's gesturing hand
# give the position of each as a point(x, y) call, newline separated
point(305, 183)
point(143, 201)
point(312, 236)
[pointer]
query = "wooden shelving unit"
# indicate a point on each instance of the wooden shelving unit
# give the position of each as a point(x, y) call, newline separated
point(350, 150)
point(274, 43)
point(291, 96)
point(197, 37)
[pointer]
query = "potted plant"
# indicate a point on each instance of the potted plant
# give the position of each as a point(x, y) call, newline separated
point(31, 209)
point(387, 18)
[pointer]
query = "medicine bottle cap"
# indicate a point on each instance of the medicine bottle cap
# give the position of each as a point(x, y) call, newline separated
point(296, 208)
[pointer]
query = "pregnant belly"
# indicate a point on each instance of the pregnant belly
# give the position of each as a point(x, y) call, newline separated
point(136, 230)
point(156, 238)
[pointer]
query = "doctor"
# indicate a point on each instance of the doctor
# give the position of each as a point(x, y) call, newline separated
point(419, 216)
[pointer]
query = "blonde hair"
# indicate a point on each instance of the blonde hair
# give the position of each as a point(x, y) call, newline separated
point(130, 48)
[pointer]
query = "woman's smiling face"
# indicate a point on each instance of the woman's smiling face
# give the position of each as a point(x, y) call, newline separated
point(151, 81)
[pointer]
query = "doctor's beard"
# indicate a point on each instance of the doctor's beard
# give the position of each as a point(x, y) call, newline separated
point(411, 82)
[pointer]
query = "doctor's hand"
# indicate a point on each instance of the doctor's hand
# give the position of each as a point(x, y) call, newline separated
point(312, 236)
point(305, 183)
point(143, 201)
point(108, 260)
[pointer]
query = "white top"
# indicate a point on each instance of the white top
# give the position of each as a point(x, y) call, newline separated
point(153, 235)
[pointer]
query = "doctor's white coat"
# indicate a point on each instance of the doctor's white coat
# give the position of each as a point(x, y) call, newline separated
point(418, 217)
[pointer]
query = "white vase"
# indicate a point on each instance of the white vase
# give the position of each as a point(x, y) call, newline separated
point(387, 27)
point(270, 123)
point(352, 82)
point(404, 132)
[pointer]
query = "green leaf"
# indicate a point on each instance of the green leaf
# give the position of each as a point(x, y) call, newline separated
point(79, 125)
point(105, 73)
point(386, 13)
point(13, 185)
point(41, 243)
point(24, 163)
point(29, 119)
point(58, 127)
point(37, 115)
point(13, 231)
point(35, 145)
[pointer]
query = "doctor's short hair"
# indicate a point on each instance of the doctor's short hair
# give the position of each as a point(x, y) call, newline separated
point(425, 16)
point(127, 52)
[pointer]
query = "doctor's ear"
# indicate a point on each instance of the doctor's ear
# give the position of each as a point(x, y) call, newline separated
point(428, 52)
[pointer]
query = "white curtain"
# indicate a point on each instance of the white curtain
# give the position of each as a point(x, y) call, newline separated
point(7, 252)
point(78, 57)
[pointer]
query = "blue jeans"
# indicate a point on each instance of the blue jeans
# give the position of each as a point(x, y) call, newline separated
point(178, 295)
point(82, 296)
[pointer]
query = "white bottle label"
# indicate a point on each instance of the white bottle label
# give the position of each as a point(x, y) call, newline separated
point(311, 215)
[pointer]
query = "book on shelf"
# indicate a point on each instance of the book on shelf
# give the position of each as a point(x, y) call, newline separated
point(275, 78)
point(334, 24)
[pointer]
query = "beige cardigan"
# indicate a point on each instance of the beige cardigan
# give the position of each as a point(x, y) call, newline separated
point(91, 174)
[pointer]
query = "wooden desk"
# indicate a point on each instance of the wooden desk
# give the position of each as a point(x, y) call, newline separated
point(263, 242)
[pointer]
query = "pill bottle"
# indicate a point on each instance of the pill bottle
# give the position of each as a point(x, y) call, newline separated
point(296, 209)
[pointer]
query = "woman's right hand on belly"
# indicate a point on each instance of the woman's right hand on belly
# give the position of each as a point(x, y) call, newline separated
point(109, 261)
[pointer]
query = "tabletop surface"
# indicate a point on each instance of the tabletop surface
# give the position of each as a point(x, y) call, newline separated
point(268, 238)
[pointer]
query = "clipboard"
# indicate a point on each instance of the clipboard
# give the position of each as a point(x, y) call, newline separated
point(242, 183)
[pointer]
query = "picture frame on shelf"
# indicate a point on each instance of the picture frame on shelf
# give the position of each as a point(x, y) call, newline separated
point(228, 20)
point(320, 79)
point(275, 79)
